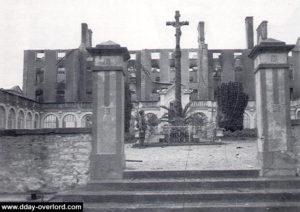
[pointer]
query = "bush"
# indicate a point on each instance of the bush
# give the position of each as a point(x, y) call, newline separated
point(245, 133)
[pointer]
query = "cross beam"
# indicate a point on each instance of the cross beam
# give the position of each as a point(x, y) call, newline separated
point(177, 24)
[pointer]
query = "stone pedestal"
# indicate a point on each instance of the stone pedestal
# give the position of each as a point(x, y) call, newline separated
point(273, 108)
point(108, 159)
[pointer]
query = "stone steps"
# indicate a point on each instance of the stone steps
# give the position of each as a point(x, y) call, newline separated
point(196, 207)
point(191, 174)
point(194, 184)
point(184, 196)
point(217, 190)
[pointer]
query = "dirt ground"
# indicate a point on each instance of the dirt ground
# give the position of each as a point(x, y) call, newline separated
point(231, 155)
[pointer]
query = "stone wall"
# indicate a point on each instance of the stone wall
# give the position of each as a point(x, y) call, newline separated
point(296, 143)
point(48, 160)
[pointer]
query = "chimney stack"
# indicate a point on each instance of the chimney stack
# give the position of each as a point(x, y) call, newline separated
point(86, 36)
point(249, 32)
point(262, 31)
point(201, 37)
point(90, 37)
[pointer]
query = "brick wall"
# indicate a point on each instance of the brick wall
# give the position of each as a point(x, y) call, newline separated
point(47, 160)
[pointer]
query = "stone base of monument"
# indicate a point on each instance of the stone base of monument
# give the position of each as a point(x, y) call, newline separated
point(281, 163)
point(107, 166)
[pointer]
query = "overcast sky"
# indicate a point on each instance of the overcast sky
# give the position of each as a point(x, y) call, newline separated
point(136, 24)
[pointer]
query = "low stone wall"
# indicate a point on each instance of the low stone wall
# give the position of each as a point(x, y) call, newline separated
point(48, 160)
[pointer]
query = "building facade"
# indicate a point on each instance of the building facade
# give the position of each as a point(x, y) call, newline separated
point(57, 89)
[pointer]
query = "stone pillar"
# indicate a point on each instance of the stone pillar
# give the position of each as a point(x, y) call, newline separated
point(108, 159)
point(273, 107)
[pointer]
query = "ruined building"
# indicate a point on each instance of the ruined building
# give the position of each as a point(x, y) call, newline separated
point(57, 83)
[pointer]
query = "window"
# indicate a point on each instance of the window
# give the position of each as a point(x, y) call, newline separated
point(246, 121)
point(155, 55)
point(21, 119)
point(237, 54)
point(29, 121)
point(36, 123)
point(69, 121)
point(132, 56)
point(39, 95)
point(61, 55)
point(60, 96)
point(61, 75)
point(298, 115)
point(291, 72)
point(191, 79)
point(40, 55)
point(193, 55)
point(157, 79)
point(291, 93)
point(2, 118)
point(155, 69)
point(290, 54)
point(86, 121)
point(195, 68)
point(11, 119)
point(171, 55)
point(50, 121)
point(216, 55)
point(39, 76)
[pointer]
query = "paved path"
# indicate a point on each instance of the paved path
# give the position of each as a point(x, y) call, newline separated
point(231, 155)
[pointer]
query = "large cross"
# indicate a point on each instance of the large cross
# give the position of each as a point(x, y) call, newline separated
point(177, 24)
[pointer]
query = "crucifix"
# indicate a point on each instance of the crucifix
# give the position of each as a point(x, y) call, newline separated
point(177, 24)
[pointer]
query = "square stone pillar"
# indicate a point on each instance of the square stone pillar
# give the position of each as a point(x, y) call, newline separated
point(273, 107)
point(108, 159)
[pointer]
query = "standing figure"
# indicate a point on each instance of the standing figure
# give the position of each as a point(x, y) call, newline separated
point(142, 127)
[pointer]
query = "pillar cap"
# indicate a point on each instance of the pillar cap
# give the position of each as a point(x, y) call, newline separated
point(270, 45)
point(109, 48)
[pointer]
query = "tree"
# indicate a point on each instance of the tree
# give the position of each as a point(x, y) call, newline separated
point(232, 102)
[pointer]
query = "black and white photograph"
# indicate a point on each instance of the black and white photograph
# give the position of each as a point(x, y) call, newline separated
point(150, 105)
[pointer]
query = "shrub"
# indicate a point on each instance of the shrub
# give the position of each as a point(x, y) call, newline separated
point(245, 133)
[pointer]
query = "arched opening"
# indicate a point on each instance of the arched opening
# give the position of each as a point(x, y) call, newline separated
point(69, 121)
point(246, 121)
point(21, 120)
point(2, 117)
point(11, 119)
point(29, 121)
point(50, 121)
point(86, 121)
point(298, 115)
point(36, 123)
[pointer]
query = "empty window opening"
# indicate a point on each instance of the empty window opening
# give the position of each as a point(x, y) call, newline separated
point(61, 55)
point(216, 55)
point(132, 56)
point(237, 54)
point(193, 68)
point(40, 55)
point(61, 75)
point(155, 70)
point(39, 78)
point(39, 95)
point(155, 55)
point(193, 55)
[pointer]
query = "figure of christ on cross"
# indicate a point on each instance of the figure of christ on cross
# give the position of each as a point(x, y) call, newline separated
point(177, 24)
